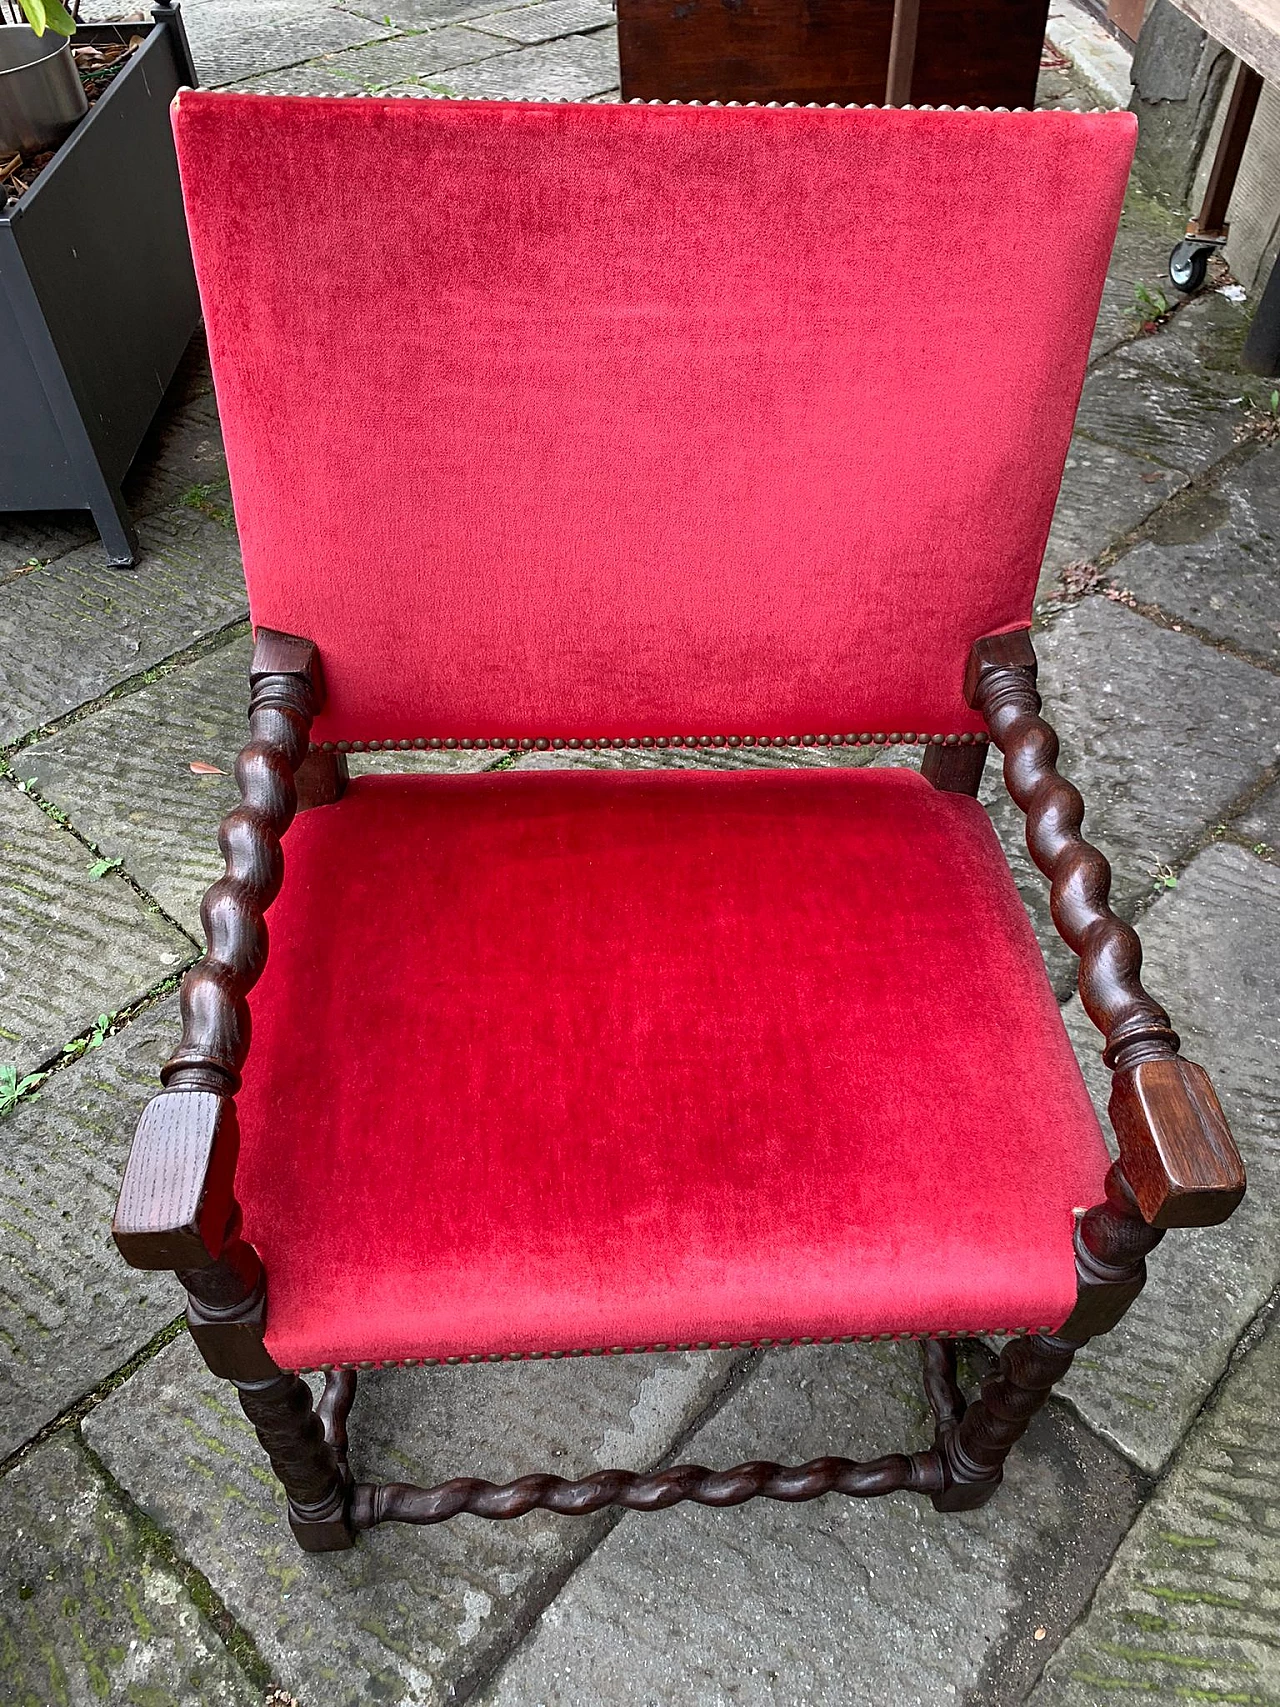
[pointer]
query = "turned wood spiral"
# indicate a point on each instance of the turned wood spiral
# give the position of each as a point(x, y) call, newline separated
point(397, 1502)
point(285, 695)
point(1001, 684)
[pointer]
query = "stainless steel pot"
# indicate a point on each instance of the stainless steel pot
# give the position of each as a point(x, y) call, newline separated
point(41, 96)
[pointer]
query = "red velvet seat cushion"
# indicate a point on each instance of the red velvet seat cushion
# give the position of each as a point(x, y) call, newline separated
point(557, 1061)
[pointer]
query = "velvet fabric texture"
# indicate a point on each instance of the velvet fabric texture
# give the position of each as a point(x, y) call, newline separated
point(609, 420)
point(563, 1060)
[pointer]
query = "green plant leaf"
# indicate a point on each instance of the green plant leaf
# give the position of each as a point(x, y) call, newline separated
point(101, 867)
point(13, 1089)
point(45, 15)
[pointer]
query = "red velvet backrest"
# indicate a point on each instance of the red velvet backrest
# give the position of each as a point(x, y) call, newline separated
point(570, 420)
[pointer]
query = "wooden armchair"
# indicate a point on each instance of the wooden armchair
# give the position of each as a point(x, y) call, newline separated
point(592, 427)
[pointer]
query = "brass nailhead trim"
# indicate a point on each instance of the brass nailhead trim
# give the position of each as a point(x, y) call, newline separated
point(540, 743)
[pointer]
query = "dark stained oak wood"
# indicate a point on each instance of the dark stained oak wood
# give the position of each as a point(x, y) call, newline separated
point(176, 1196)
point(967, 52)
point(320, 779)
point(974, 1450)
point(1176, 1149)
point(293, 1437)
point(954, 770)
point(177, 1205)
point(215, 1011)
point(1112, 1243)
point(1001, 684)
point(400, 1502)
point(1179, 1155)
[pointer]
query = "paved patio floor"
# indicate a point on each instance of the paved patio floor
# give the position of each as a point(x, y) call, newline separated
point(1135, 1550)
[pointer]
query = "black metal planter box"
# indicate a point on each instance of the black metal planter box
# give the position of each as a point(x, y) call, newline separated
point(97, 294)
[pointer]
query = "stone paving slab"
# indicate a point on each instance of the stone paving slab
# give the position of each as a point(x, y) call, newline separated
point(1160, 733)
point(837, 1601)
point(71, 946)
point(1210, 560)
point(572, 69)
point(71, 1313)
point(124, 777)
point(1260, 825)
point(29, 540)
point(182, 456)
point(1173, 397)
point(70, 631)
point(1140, 258)
point(422, 14)
point(409, 1615)
point(382, 66)
point(89, 1612)
point(1188, 1611)
point(230, 41)
point(531, 24)
point(1212, 956)
point(1105, 493)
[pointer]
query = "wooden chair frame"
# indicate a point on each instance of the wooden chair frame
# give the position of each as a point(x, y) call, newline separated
point(1178, 1165)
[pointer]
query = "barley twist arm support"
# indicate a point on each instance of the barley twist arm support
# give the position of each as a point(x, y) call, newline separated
point(177, 1200)
point(177, 1207)
point(284, 695)
point(1176, 1150)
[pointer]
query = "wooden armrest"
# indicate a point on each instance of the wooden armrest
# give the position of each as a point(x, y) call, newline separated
point(177, 1193)
point(1176, 1150)
point(177, 1200)
point(286, 691)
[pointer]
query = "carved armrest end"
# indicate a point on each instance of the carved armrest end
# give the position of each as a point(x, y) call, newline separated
point(277, 654)
point(1177, 1155)
point(177, 1196)
point(1176, 1148)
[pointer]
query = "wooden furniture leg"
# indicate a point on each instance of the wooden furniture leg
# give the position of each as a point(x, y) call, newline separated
point(955, 769)
point(1112, 1241)
point(226, 1313)
point(177, 1207)
point(1189, 261)
point(902, 53)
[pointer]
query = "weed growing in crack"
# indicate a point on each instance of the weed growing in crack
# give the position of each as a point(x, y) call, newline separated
point(14, 1090)
point(1151, 306)
point(209, 499)
point(97, 1037)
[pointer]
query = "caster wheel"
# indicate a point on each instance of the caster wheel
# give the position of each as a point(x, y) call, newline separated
point(1188, 265)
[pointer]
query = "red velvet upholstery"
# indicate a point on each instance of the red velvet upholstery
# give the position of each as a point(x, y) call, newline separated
point(567, 1060)
point(613, 420)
